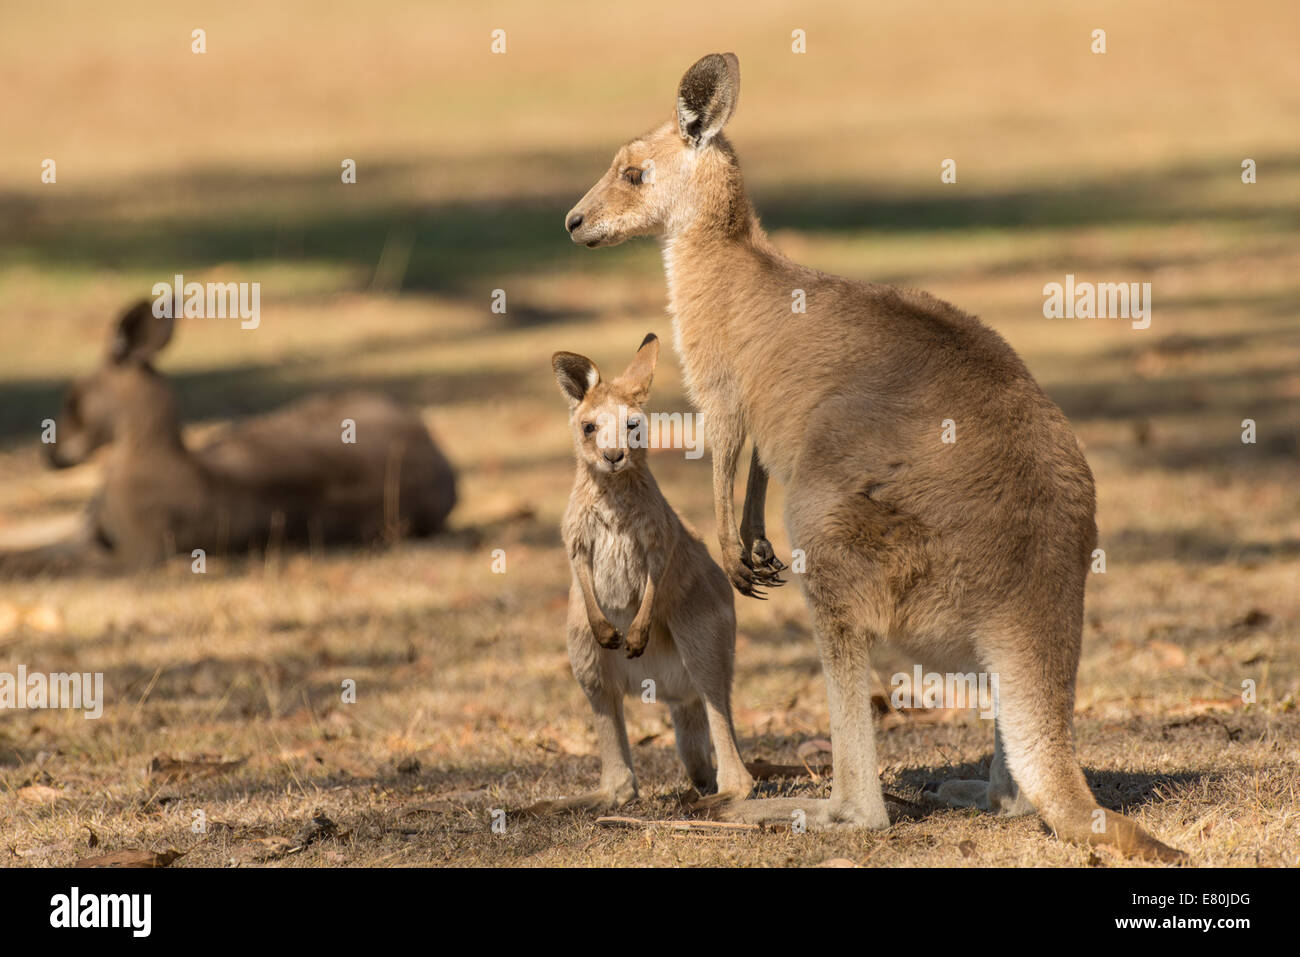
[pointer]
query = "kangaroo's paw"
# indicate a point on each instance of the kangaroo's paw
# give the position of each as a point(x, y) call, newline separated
point(763, 565)
point(637, 639)
point(607, 636)
point(762, 561)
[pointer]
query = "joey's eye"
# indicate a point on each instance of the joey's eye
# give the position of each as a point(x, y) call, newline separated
point(588, 428)
point(632, 175)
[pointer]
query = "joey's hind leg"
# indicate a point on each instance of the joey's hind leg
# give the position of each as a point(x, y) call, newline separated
point(593, 671)
point(999, 794)
point(617, 782)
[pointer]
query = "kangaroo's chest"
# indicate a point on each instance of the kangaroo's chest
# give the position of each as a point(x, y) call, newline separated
point(618, 566)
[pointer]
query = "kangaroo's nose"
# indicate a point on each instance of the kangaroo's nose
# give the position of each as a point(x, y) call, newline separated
point(614, 457)
point(574, 221)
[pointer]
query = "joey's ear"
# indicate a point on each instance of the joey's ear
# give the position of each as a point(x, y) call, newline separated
point(641, 372)
point(577, 375)
point(707, 97)
point(139, 334)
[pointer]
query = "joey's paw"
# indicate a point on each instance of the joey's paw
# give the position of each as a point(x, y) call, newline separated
point(607, 635)
point(637, 639)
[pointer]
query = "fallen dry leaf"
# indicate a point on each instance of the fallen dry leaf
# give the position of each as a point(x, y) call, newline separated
point(170, 769)
point(1165, 654)
point(39, 794)
point(131, 857)
point(270, 848)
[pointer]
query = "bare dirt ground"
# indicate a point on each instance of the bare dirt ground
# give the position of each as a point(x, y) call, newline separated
point(224, 733)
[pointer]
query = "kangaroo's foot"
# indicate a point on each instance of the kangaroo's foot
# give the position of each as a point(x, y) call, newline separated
point(596, 801)
point(981, 795)
point(811, 813)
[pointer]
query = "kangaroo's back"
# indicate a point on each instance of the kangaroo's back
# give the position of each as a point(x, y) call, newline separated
point(350, 468)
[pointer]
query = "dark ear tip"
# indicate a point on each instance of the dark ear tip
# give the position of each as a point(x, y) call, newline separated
point(138, 308)
point(649, 338)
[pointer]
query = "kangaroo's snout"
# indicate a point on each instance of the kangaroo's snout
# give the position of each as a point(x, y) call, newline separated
point(580, 228)
point(614, 457)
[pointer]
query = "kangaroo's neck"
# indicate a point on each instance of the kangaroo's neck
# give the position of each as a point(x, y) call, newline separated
point(711, 265)
point(148, 425)
point(626, 490)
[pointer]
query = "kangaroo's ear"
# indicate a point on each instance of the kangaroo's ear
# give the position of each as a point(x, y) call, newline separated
point(139, 334)
point(641, 372)
point(577, 375)
point(707, 97)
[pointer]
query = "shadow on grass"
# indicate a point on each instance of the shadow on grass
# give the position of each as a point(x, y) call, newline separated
point(455, 246)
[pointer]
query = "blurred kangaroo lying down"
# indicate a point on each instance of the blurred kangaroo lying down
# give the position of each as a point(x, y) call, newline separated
point(284, 477)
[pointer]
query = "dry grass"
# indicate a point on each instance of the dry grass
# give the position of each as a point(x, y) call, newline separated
point(1122, 167)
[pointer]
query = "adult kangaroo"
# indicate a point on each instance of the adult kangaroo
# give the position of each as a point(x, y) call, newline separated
point(288, 476)
point(971, 555)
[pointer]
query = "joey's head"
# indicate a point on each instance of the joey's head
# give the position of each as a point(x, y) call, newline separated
point(610, 429)
point(684, 171)
point(123, 392)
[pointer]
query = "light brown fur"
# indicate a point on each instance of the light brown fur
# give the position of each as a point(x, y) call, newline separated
point(284, 477)
point(641, 579)
point(972, 555)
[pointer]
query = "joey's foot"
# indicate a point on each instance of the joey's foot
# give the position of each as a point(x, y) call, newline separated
point(607, 635)
point(763, 561)
point(637, 639)
point(804, 813)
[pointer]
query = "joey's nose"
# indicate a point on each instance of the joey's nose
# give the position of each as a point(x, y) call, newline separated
point(573, 222)
point(614, 457)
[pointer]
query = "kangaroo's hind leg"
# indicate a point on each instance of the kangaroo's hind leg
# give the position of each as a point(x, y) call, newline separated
point(704, 630)
point(691, 730)
point(1035, 719)
point(595, 670)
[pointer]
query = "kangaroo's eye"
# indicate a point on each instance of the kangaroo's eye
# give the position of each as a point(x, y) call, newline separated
point(632, 175)
point(588, 428)
point(633, 424)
